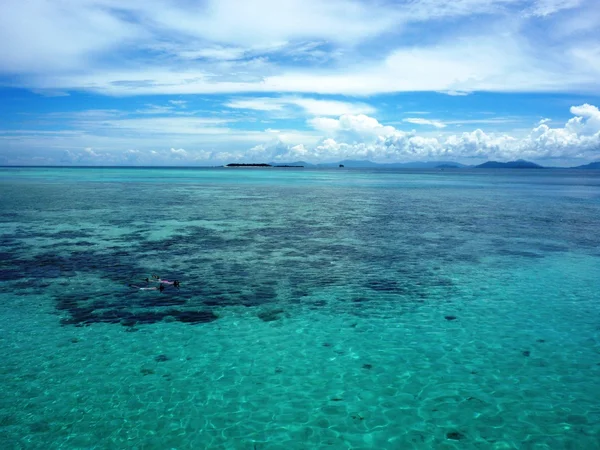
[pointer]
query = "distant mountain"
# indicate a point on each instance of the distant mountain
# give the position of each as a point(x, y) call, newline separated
point(592, 166)
point(518, 164)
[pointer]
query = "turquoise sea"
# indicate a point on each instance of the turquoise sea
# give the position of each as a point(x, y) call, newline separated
point(339, 308)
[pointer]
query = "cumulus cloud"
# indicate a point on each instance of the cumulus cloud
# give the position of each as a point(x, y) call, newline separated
point(178, 153)
point(352, 127)
point(363, 137)
point(353, 136)
point(84, 156)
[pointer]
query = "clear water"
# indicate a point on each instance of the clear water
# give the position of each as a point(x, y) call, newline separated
point(344, 309)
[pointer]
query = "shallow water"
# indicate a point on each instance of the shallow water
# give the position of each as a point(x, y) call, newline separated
point(343, 309)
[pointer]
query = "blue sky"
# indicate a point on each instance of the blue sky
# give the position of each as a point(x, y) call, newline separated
point(107, 82)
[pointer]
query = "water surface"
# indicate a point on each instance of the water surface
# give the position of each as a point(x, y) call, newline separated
point(341, 309)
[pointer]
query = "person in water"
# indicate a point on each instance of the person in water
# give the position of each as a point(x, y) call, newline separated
point(174, 283)
point(156, 288)
point(157, 279)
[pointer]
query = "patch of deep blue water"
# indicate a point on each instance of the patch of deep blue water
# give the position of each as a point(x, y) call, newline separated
point(317, 308)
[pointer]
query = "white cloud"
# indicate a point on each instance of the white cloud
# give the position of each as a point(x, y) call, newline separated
point(155, 109)
point(475, 63)
point(454, 93)
point(133, 47)
point(63, 34)
point(216, 53)
point(257, 104)
point(331, 107)
point(179, 153)
point(587, 120)
point(545, 8)
point(352, 127)
point(39, 35)
point(89, 151)
point(421, 121)
point(311, 106)
point(266, 21)
point(489, 121)
point(161, 125)
point(363, 136)
point(348, 136)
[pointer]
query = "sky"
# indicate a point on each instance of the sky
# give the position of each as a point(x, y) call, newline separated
point(210, 82)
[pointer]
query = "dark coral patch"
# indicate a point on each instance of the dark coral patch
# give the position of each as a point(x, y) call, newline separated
point(270, 315)
point(193, 317)
point(82, 316)
point(455, 435)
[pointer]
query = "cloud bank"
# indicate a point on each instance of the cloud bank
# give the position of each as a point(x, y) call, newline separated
point(363, 137)
point(349, 136)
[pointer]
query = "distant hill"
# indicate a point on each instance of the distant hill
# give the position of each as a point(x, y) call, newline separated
point(518, 164)
point(592, 166)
